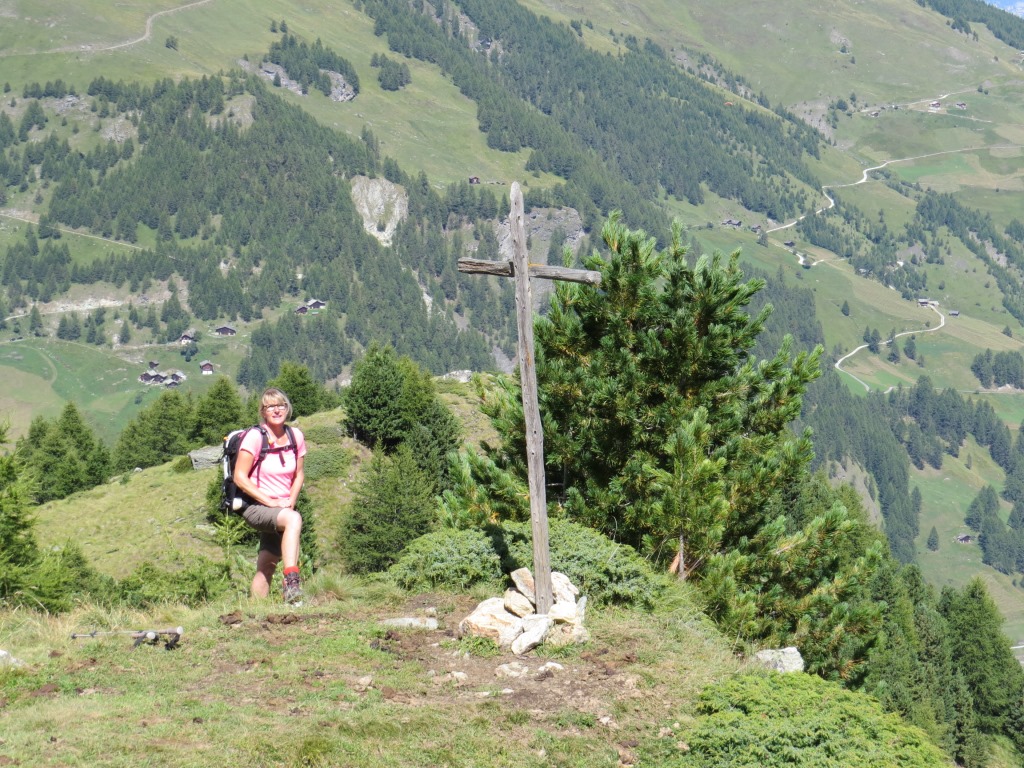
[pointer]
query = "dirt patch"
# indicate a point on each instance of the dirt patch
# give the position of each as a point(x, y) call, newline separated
point(589, 683)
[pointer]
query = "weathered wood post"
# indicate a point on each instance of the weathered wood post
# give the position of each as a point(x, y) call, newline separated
point(521, 269)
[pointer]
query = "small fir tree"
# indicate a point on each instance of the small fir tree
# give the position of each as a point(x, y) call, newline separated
point(393, 504)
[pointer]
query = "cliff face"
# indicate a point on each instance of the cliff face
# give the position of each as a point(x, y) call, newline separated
point(382, 205)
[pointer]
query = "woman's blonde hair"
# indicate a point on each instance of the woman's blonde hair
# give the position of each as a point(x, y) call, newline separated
point(274, 396)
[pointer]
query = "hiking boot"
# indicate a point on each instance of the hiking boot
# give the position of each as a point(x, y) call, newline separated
point(293, 589)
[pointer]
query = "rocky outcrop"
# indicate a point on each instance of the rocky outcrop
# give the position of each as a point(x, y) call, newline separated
point(381, 204)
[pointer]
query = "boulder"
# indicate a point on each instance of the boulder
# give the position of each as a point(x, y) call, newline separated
point(206, 458)
point(535, 630)
point(782, 660)
point(524, 582)
point(562, 589)
point(564, 613)
point(490, 619)
point(517, 603)
point(567, 634)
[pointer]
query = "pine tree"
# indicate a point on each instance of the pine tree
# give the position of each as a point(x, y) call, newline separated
point(217, 413)
point(662, 430)
point(933, 540)
point(158, 434)
point(305, 393)
point(35, 321)
point(982, 653)
point(393, 504)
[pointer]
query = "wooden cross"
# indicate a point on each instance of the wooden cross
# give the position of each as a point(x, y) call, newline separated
point(522, 270)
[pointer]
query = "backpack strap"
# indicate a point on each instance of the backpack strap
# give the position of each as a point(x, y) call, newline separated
point(265, 449)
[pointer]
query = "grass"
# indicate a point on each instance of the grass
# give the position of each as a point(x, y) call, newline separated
point(325, 684)
point(946, 494)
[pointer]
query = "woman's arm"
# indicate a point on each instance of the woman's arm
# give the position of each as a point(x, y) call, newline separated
point(297, 480)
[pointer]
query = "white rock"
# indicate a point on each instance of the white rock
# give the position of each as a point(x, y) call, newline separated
point(551, 666)
point(781, 659)
point(364, 683)
point(567, 634)
point(524, 582)
point(490, 619)
point(6, 660)
point(563, 589)
point(512, 670)
point(535, 630)
point(517, 603)
point(563, 613)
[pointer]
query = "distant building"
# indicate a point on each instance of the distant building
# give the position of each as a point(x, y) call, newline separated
point(225, 330)
point(188, 337)
point(954, 313)
point(153, 364)
point(206, 367)
point(474, 179)
point(301, 310)
point(964, 539)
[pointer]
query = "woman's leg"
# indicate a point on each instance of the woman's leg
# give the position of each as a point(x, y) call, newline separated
point(289, 522)
point(266, 564)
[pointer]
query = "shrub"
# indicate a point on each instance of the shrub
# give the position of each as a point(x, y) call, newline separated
point(453, 559)
point(54, 581)
point(795, 720)
point(181, 465)
point(323, 434)
point(327, 461)
point(603, 570)
point(201, 581)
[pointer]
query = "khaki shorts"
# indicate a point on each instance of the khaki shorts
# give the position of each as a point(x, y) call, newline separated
point(264, 520)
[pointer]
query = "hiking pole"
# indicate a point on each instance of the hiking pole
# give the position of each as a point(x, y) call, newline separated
point(151, 636)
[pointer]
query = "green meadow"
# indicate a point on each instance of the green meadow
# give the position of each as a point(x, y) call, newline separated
point(946, 493)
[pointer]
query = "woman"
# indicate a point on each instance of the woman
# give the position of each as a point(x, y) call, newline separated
point(272, 487)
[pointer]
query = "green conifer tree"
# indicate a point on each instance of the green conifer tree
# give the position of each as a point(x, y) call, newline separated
point(393, 505)
point(217, 413)
point(662, 430)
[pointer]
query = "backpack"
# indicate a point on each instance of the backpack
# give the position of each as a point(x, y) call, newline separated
point(233, 498)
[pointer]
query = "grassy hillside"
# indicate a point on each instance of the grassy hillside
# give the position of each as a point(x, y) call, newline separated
point(803, 57)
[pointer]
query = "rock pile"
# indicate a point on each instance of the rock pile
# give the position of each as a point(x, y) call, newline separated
point(512, 621)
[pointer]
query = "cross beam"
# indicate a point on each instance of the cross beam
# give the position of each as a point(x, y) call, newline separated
point(521, 269)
